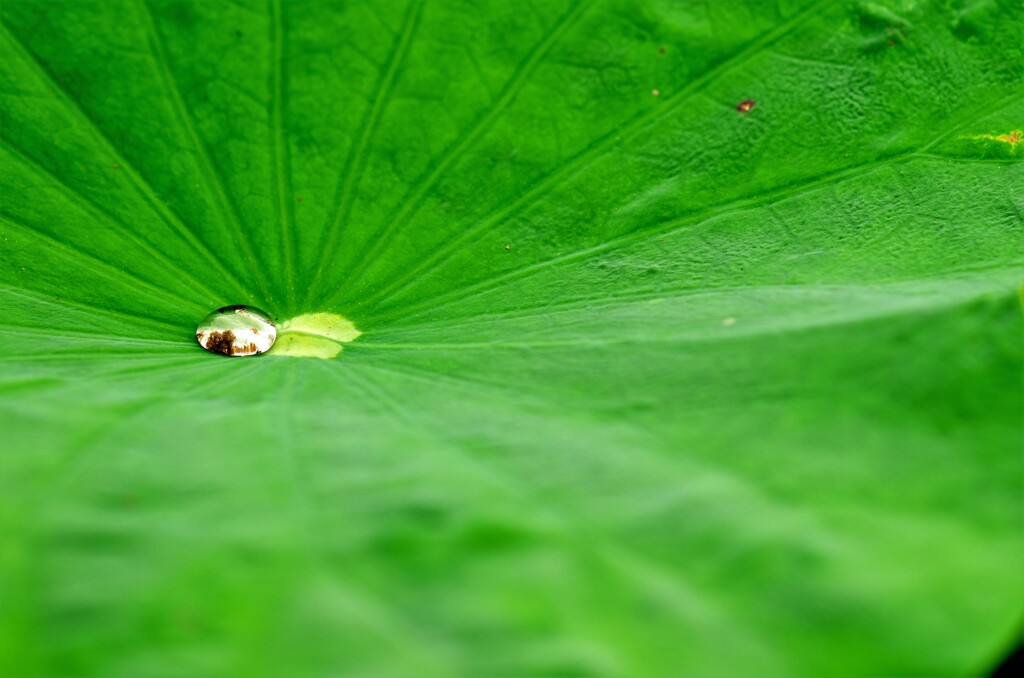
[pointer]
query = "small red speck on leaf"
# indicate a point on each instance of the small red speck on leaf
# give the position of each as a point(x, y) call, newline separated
point(298, 199)
point(745, 105)
point(661, 50)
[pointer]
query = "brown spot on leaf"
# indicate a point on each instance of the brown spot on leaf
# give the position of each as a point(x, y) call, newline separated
point(746, 105)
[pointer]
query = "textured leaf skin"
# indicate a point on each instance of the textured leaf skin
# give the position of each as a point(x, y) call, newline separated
point(647, 385)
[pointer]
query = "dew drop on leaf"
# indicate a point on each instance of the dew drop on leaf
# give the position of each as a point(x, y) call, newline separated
point(237, 331)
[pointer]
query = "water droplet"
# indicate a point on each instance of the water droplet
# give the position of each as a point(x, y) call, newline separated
point(237, 331)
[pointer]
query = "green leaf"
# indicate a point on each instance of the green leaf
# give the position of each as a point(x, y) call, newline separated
point(648, 384)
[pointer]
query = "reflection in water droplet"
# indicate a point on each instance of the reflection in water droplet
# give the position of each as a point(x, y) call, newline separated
point(237, 331)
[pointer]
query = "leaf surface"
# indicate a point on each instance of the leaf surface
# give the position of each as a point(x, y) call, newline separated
point(646, 384)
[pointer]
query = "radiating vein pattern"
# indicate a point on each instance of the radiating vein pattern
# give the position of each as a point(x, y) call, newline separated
point(643, 372)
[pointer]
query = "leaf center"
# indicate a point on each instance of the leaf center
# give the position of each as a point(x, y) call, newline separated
point(314, 335)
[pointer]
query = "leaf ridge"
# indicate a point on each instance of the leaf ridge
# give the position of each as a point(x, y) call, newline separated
point(74, 453)
point(578, 161)
point(112, 271)
point(95, 337)
point(144, 189)
point(280, 152)
point(92, 208)
point(601, 544)
point(608, 300)
point(701, 217)
point(37, 298)
point(413, 200)
point(350, 173)
point(213, 177)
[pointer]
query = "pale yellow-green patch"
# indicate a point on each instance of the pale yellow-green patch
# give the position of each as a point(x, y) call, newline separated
point(297, 345)
point(326, 325)
point(314, 335)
